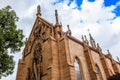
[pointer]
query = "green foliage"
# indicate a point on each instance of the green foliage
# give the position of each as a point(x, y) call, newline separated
point(10, 38)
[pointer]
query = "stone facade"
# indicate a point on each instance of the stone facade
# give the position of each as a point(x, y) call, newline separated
point(50, 53)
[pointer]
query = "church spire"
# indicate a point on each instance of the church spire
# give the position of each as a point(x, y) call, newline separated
point(58, 27)
point(56, 15)
point(92, 41)
point(38, 11)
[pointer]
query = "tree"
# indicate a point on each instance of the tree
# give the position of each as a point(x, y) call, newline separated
point(11, 40)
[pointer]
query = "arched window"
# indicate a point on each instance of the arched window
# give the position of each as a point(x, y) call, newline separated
point(98, 72)
point(78, 70)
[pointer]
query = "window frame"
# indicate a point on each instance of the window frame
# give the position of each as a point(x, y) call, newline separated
point(80, 68)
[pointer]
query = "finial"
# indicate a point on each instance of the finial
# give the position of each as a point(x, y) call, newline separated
point(118, 59)
point(69, 31)
point(108, 51)
point(92, 41)
point(98, 47)
point(90, 34)
point(56, 15)
point(86, 39)
point(82, 38)
point(38, 10)
point(109, 54)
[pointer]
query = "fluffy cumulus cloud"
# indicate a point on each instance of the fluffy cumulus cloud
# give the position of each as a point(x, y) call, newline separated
point(100, 16)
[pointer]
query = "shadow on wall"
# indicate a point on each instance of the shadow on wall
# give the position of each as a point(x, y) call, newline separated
point(115, 77)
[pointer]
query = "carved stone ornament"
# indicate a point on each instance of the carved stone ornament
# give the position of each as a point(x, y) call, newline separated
point(37, 52)
point(37, 31)
point(37, 62)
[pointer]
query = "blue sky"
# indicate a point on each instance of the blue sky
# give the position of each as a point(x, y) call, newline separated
point(106, 3)
point(110, 2)
point(113, 2)
point(102, 17)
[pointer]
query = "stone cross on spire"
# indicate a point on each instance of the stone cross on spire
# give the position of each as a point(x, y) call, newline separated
point(38, 11)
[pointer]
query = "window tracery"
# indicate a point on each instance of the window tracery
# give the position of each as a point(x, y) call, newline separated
point(78, 70)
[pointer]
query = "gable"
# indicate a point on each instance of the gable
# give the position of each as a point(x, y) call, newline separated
point(41, 30)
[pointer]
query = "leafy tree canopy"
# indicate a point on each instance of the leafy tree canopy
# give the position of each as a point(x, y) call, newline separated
point(11, 40)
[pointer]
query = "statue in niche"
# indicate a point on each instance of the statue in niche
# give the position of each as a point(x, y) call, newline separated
point(37, 61)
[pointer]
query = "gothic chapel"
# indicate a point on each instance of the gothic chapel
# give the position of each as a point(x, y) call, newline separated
point(51, 54)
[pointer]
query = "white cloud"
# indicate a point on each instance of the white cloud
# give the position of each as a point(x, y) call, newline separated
point(29, 12)
point(115, 26)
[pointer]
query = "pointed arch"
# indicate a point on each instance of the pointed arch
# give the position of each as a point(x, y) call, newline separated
point(98, 72)
point(36, 61)
point(78, 69)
